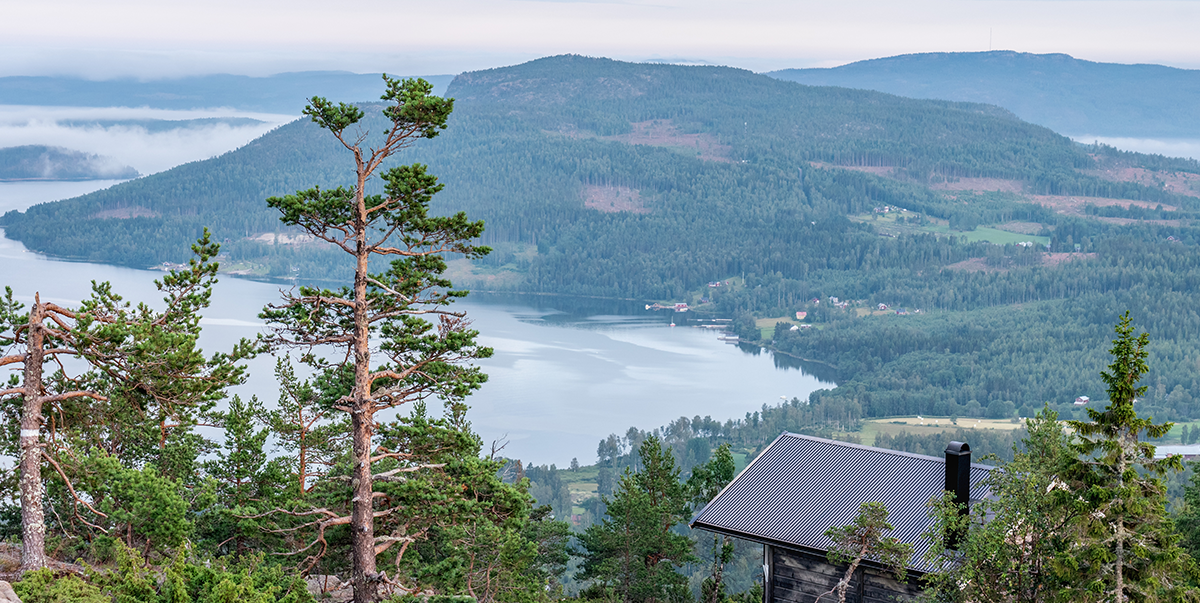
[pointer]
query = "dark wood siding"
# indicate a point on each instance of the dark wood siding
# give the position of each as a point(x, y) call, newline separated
point(800, 577)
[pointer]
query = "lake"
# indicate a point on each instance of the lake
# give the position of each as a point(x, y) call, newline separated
point(566, 371)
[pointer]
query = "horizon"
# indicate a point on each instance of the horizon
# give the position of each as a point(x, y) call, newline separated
point(649, 61)
point(139, 39)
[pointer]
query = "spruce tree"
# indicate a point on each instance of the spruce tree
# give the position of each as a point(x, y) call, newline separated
point(245, 480)
point(1125, 545)
point(705, 483)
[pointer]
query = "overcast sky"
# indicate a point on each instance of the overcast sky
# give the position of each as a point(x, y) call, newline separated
point(157, 38)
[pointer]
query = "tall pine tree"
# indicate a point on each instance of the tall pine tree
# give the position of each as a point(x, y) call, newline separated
point(391, 333)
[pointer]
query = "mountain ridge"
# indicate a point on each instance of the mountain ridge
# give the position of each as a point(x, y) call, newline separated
point(1068, 95)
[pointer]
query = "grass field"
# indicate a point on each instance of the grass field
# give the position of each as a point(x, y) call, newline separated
point(886, 223)
point(991, 235)
point(766, 326)
point(894, 425)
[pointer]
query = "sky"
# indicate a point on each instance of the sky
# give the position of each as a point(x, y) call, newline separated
point(147, 39)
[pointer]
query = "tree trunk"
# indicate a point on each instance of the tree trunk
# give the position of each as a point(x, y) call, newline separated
point(362, 422)
point(1120, 569)
point(33, 520)
point(362, 514)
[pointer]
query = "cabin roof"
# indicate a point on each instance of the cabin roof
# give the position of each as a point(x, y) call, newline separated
point(801, 486)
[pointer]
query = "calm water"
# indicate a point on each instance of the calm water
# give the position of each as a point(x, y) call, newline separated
point(566, 372)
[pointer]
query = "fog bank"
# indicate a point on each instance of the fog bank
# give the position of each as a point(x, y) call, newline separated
point(148, 150)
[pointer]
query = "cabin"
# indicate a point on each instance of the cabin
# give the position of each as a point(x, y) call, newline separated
point(800, 486)
point(1082, 401)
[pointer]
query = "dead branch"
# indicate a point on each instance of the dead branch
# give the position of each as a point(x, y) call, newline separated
point(76, 501)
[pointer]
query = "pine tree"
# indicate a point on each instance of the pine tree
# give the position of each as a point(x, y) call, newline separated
point(420, 359)
point(1125, 548)
point(862, 540)
point(633, 551)
point(303, 426)
point(144, 364)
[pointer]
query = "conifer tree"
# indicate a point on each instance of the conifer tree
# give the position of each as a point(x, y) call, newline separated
point(245, 480)
point(633, 551)
point(1125, 546)
point(143, 362)
point(705, 483)
point(304, 429)
point(864, 539)
point(412, 359)
point(1012, 537)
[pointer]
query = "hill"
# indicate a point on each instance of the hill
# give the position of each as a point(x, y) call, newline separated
point(280, 93)
point(597, 177)
point(1068, 95)
point(36, 162)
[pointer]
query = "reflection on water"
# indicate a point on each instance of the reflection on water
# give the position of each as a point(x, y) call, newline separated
point(566, 372)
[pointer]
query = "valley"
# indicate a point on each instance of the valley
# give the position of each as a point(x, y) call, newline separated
point(605, 179)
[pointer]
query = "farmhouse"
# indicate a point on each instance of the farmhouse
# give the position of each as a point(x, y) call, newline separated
point(801, 486)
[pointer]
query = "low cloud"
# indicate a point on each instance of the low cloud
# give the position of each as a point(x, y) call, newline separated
point(148, 150)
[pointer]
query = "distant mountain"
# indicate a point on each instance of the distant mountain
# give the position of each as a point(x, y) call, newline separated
point(280, 93)
point(1068, 95)
point(35, 162)
point(572, 154)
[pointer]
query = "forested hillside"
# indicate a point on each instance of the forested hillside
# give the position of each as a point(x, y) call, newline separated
point(603, 178)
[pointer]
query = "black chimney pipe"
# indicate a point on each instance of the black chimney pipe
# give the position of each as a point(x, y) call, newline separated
point(958, 483)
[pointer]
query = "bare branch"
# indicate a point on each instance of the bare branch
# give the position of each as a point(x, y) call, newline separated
point(76, 501)
point(78, 394)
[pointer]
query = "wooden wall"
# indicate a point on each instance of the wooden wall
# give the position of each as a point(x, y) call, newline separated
point(800, 577)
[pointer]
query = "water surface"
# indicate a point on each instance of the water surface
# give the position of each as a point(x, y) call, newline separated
point(566, 371)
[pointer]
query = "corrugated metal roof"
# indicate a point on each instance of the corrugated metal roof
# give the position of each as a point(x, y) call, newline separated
point(800, 486)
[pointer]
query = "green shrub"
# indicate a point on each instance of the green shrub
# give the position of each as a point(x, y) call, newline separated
point(43, 586)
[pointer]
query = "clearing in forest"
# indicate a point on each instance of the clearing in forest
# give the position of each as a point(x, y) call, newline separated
point(931, 425)
point(663, 133)
point(1180, 183)
point(612, 199)
point(897, 223)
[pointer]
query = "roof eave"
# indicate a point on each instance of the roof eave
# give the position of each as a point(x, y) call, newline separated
point(915, 572)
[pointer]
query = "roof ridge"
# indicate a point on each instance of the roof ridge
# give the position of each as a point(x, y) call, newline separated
point(924, 457)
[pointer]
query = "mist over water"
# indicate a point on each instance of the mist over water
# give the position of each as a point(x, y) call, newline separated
point(149, 152)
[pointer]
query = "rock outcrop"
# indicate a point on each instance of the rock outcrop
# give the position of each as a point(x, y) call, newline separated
point(6, 593)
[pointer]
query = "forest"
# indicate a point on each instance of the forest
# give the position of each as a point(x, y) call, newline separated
point(137, 478)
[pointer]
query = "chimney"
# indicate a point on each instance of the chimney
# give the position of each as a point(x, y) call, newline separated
point(958, 483)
